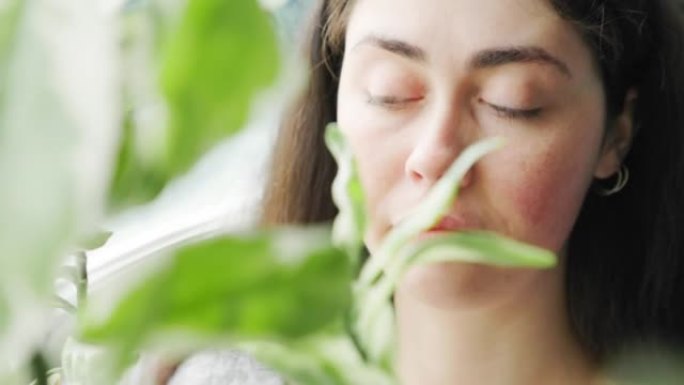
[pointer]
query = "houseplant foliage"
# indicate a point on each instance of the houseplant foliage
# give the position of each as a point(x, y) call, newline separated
point(71, 142)
point(288, 295)
point(57, 92)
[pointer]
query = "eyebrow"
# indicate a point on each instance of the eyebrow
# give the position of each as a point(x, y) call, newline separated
point(525, 54)
point(488, 58)
point(395, 46)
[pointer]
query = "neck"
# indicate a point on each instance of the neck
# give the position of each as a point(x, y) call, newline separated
point(526, 340)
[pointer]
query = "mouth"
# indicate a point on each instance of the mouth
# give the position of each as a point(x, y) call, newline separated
point(448, 224)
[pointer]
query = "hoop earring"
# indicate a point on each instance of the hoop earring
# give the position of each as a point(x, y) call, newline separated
point(620, 183)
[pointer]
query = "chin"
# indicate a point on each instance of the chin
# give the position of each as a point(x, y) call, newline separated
point(455, 285)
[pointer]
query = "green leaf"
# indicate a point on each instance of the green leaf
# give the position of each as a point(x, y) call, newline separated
point(471, 247)
point(281, 284)
point(214, 57)
point(10, 13)
point(4, 314)
point(321, 359)
point(60, 303)
point(377, 327)
point(13, 376)
point(297, 365)
point(223, 54)
point(57, 131)
point(83, 364)
point(135, 179)
point(373, 314)
point(481, 247)
point(54, 377)
point(347, 193)
point(440, 198)
point(94, 241)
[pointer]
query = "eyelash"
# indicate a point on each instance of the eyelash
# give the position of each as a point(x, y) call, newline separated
point(515, 113)
point(393, 102)
point(389, 101)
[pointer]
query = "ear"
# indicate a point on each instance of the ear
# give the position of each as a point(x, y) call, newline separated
point(618, 139)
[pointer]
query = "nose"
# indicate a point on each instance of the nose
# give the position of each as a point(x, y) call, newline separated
point(437, 147)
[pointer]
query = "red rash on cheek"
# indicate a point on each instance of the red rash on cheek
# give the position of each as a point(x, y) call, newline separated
point(546, 195)
point(532, 201)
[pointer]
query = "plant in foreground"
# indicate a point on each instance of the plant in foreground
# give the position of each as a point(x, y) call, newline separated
point(290, 297)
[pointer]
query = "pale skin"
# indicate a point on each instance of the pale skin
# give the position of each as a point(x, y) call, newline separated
point(423, 79)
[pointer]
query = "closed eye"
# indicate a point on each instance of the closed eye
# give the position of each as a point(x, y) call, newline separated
point(391, 101)
point(515, 113)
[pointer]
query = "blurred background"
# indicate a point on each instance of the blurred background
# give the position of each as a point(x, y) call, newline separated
point(223, 190)
point(101, 131)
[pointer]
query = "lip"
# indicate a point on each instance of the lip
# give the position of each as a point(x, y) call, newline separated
point(448, 224)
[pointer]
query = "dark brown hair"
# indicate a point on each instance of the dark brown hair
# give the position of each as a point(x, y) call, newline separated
point(625, 258)
point(302, 168)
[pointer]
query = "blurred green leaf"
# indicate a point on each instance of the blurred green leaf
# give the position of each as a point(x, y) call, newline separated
point(54, 377)
point(440, 198)
point(223, 54)
point(13, 376)
point(95, 241)
point(347, 192)
point(374, 323)
point(293, 362)
point(282, 284)
point(134, 180)
point(215, 60)
point(57, 114)
point(321, 359)
point(373, 314)
point(4, 314)
point(84, 364)
point(480, 247)
point(9, 18)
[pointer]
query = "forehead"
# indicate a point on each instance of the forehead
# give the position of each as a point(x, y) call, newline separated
point(449, 31)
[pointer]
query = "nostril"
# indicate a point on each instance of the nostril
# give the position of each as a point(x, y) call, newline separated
point(467, 179)
point(415, 176)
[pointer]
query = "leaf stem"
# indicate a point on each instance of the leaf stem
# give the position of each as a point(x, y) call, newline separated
point(61, 303)
point(82, 282)
point(39, 368)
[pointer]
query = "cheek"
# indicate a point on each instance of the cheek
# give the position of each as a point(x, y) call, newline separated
point(379, 162)
point(378, 180)
point(535, 196)
point(545, 198)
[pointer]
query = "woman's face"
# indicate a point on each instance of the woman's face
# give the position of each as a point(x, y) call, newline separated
point(423, 79)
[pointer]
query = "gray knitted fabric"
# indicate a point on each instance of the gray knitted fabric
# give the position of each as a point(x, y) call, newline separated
point(223, 367)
